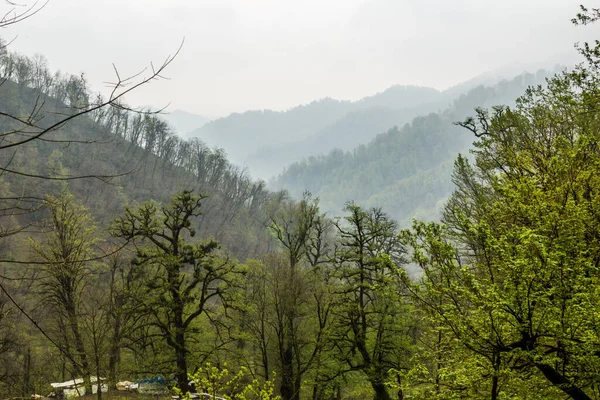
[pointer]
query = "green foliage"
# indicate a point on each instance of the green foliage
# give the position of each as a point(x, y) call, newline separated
point(373, 321)
point(65, 253)
point(520, 290)
point(184, 280)
point(505, 306)
point(217, 383)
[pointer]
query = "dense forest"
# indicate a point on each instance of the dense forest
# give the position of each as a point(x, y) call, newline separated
point(459, 257)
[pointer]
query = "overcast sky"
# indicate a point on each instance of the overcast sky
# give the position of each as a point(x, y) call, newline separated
point(255, 54)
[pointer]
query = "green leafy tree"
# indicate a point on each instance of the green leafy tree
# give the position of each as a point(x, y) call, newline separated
point(185, 280)
point(521, 289)
point(300, 306)
point(64, 254)
point(217, 383)
point(373, 318)
point(458, 354)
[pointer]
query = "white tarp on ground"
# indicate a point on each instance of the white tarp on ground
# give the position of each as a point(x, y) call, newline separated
point(126, 385)
point(76, 387)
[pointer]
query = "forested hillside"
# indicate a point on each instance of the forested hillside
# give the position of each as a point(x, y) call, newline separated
point(405, 170)
point(60, 174)
point(154, 265)
point(137, 154)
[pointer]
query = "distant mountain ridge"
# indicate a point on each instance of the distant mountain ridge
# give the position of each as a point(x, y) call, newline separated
point(266, 141)
point(184, 122)
point(407, 169)
point(257, 138)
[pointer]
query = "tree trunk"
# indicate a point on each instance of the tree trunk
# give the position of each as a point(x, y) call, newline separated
point(178, 325)
point(381, 391)
point(561, 382)
point(495, 388)
point(114, 357)
point(98, 382)
point(287, 374)
point(400, 392)
point(84, 366)
point(26, 374)
point(316, 392)
point(265, 357)
point(297, 385)
point(290, 382)
point(180, 354)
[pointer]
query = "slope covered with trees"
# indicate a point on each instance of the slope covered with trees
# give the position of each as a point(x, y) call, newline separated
point(112, 263)
point(71, 162)
point(404, 170)
point(137, 153)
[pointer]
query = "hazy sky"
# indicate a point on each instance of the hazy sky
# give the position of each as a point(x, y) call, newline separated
point(253, 54)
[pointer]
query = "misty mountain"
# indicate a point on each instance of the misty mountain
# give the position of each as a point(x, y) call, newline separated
point(184, 122)
point(376, 114)
point(506, 74)
point(400, 96)
point(354, 128)
point(405, 170)
point(268, 141)
point(260, 139)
